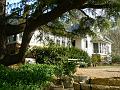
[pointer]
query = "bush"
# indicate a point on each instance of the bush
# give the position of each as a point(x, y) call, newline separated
point(56, 54)
point(65, 69)
point(96, 58)
point(116, 59)
point(35, 73)
point(20, 87)
point(27, 76)
point(33, 76)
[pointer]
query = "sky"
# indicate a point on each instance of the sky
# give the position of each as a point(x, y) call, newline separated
point(13, 1)
point(98, 12)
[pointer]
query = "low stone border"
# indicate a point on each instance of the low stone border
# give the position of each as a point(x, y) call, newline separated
point(84, 86)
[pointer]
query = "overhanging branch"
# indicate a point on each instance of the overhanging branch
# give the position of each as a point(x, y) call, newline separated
point(52, 15)
point(14, 29)
point(102, 6)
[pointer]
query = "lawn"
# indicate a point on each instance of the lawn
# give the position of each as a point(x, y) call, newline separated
point(100, 71)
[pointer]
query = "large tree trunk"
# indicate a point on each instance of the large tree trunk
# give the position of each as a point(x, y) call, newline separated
point(3, 36)
point(19, 58)
point(5, 58)
point(25, 44)
point(3, 39)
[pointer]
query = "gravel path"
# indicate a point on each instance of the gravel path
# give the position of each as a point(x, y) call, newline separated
point(99, 71)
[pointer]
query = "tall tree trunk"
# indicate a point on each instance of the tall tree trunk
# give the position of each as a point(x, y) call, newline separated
point(3, 36)
point(3, 39)
point(18, 58)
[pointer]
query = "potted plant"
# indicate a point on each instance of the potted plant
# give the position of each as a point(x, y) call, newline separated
point(64, 73)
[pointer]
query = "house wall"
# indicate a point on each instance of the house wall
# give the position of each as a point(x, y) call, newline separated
point(45, 37)
point(89, 49)
point(40, 38)
point(85, 44)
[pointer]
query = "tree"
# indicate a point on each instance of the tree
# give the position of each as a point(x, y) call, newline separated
point(114, 35)
point(32, 14)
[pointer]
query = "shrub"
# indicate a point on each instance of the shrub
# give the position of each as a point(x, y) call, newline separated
point(32, 76)
point(96, 58)
point(65, 69)
point(56, 54)
point(27, 76)
point(116, 59)
point(35, 73)
point(78, 54)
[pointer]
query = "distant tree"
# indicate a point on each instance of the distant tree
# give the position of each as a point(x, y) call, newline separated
point(114, 35)
point(32, 14)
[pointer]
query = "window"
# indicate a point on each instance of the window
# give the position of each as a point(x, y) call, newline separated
point(95, 47)
point(63, 42)
point(100, 47)
point(73, 43)
point(86, 43)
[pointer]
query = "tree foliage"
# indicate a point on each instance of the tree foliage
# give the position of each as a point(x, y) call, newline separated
point(114, 35)
point(27, 15)
point(29, 10)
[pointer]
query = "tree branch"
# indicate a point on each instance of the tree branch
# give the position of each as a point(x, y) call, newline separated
point(44, 18)
point(14, 29)
point(84, 13)
point(52, 15)
point(102, 6)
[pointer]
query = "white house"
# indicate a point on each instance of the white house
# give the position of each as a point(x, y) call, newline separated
point(92, 45)
point(39, 38)
point(95, 45)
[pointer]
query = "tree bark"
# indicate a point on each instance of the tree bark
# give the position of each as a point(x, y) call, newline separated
point(25, 44)
point(3, 36)
point(3, 39)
